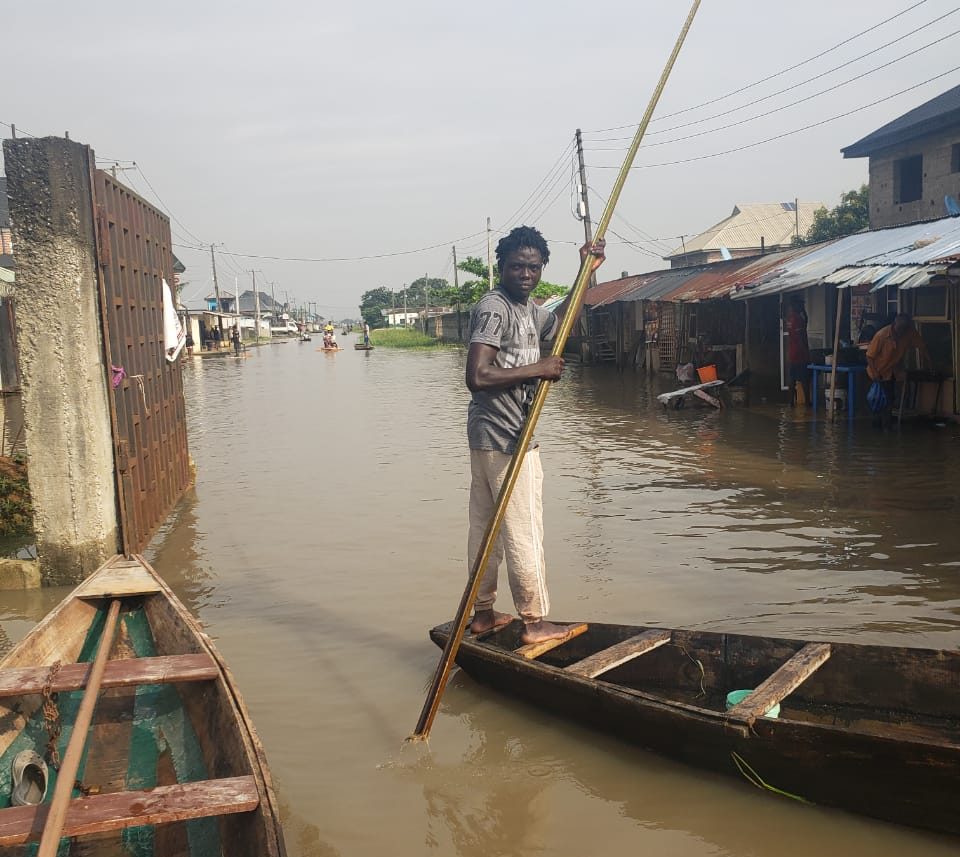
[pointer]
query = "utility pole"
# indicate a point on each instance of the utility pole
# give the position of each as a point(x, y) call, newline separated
point(489, 258)
point(426, 301)
point(796, 216)
point(256, 307)
point(456, 291)
point(404, 304)
point(216, 291)
point(585, 202)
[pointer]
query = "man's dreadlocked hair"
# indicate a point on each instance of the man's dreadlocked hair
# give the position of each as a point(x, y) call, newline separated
point(522, 236)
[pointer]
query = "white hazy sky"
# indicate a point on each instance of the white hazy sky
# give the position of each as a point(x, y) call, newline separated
point(370, 127)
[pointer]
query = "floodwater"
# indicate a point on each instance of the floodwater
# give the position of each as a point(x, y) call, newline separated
point(326, 536)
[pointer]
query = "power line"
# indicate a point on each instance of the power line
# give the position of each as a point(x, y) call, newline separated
point(770, 77)
point(550, 173)
point(336, 258)
point(756, 116)
point(785, 133)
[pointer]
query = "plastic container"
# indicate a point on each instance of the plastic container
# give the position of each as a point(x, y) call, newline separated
point(707, 373)
point(835, 398)
point(735, 697)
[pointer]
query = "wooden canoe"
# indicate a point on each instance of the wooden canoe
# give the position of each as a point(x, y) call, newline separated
point(359, 346)
point(870, 729)
point(172, 764)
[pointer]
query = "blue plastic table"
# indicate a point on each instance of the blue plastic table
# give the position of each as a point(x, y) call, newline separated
point(852, 372)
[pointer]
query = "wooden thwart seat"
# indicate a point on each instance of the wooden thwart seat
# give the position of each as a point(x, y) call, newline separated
point(618, 654)
point(162, 805)
point(534, 650)
point(782, 683)
point(21, 681)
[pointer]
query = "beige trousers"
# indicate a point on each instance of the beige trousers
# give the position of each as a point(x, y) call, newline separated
point(521, 534)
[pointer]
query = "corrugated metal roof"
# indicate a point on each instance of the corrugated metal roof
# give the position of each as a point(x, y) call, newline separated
point(660, 283)
point(916, 247)
point(774, 222)
point(604, 293)
point(723, 278)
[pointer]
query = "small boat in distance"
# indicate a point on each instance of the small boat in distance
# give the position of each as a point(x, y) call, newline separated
point(870, 729)
point(171, 763)
point(359, 346)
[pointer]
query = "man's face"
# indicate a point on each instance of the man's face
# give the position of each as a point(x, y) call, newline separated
point(900, 326)
point(520, 272)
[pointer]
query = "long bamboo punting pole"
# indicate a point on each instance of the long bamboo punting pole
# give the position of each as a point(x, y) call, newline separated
point(432, 702)
point(67, 775)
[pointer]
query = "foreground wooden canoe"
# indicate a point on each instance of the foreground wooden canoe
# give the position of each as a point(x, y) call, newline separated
point(173, 765)
point(870, 729)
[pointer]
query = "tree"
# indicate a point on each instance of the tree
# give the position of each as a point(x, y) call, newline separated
point(371, 304)
point(852, 215)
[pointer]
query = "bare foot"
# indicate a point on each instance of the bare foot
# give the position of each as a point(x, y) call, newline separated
point(538, 632)
point(488, 620)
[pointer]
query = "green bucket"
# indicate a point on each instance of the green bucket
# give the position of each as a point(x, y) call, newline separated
point(735, 697)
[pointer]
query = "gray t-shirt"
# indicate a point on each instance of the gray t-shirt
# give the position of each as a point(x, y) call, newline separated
point(495, 420)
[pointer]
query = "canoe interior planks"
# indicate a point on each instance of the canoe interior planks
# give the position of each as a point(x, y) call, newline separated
point(168, 669)
point(783, 682)
point(117, 579)
point(162, 805)
point(534, 650)
point(605, 660)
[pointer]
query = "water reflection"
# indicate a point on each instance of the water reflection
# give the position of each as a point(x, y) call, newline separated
point(326, 535)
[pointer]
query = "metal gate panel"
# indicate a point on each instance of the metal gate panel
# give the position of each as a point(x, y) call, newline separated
point(147, 405)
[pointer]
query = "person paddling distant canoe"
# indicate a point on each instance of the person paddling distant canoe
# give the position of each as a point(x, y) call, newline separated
point(504, 365)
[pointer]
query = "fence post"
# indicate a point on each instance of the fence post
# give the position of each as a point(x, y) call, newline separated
point(67, 428)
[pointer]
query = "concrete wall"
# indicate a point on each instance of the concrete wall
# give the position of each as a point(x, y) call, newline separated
point(62, 372)
point(938, 181)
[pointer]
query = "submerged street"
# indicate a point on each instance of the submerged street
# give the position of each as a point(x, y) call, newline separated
point(326, 536)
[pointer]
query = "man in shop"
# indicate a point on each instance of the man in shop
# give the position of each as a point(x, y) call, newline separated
point(504, 366)
point(798, 351)
point(885, 356)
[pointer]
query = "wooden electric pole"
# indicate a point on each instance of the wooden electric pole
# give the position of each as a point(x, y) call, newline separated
point(585, 201)
point(456, 291)
point(426, 301)
point(216, 291)
point(489, 258)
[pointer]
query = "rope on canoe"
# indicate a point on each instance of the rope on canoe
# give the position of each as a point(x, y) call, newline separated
point(755, 779)
point(51, 717)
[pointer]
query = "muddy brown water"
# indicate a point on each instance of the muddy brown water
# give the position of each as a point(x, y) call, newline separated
point(326, 535)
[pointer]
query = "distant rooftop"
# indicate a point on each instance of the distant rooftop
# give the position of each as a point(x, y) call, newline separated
point(247, 300)
point(774, 222)
point(937, 114)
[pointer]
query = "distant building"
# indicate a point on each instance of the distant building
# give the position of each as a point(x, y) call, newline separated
point(228, 303)
point(914, 162)
point(6, 242)
point(753, 228)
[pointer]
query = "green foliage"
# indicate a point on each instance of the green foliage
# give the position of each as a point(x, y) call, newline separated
point(371, 304)
point(549, 290)
point(851, 215)
point(16, 511)
point(402, 337)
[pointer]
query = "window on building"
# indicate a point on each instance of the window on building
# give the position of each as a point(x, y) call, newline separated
point(955, 158)
point(908, 179)
point(930, 302)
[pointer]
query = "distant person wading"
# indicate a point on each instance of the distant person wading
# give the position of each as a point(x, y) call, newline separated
point(503, 367)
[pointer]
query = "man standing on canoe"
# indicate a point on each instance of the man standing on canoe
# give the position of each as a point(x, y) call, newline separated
point(504, 365)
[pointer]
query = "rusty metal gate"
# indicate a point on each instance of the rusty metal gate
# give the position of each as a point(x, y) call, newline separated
point(147, 407)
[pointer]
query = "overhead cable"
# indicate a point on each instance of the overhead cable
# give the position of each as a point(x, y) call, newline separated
point(770, 77)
